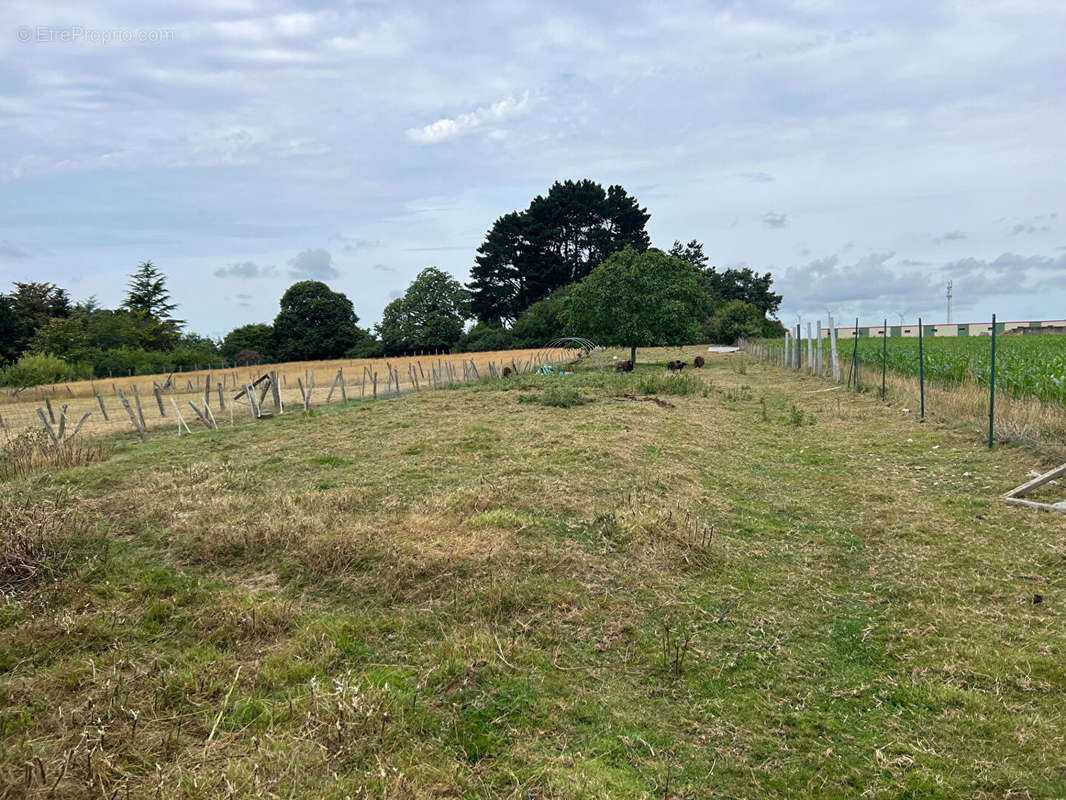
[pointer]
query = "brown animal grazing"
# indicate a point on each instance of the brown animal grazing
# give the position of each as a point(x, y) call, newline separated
point(623, 366)
point(698, 362)
point(676, 366)
point(506, 371)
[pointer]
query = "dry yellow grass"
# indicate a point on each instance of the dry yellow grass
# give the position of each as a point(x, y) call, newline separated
point(19, 411)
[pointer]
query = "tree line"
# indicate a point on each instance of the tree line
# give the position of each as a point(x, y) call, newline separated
point(576, 261)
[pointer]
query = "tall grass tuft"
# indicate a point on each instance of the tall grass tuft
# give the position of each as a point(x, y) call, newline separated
point(678, 384)
point(32, 450)
point(37, 539)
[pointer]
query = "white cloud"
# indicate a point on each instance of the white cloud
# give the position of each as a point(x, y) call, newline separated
point(246, 270)
point(480, 118)
point(316, 265)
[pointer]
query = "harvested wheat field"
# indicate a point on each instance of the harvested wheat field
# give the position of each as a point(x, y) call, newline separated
point(222, 389)
point(724, 583)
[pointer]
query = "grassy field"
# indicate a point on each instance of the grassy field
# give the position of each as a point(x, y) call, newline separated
point(728, 583)
point(1030, 383)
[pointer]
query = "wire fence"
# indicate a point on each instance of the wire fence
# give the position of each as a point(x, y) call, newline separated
point(210, 400)
point(967, 379)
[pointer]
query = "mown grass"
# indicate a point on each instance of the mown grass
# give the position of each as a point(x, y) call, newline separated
point(461, 594)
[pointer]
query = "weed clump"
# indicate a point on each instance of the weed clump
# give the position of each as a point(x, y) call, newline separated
point(37, 540)
point(33, 450)
point(679, 384)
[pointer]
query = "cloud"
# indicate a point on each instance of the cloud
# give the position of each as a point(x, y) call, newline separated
point(383, 268)
point(1038, 224)
point(246, 270)
point(951, 236)
point(1022, 227)
point(12, 253)
point(758, 177)
point(480, 118)
point(350, 244)
point(771, 219)
point(878, 284)
point(315, 265)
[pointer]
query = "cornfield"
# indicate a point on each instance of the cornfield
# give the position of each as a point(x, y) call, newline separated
point(1026, 366)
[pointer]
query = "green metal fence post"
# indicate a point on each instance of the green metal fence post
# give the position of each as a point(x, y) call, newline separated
point(992, 389)
point(921, 368)
point(884, 357)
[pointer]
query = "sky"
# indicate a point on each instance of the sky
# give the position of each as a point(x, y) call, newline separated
point(865, 153)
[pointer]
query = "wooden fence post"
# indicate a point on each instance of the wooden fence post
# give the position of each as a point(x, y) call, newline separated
point(159, 399)
point(129, 410)
point(103, 408)
point(140, 411)
point(51, 432)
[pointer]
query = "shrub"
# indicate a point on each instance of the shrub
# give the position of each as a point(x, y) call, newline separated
point(34, 369)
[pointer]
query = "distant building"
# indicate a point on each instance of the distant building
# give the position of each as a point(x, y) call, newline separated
point(965, 329)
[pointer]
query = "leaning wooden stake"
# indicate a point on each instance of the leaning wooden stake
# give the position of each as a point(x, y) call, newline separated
point(333, 386)
point(275, 390)
point(1015, 495)
point(159, 400)
point(203, 417)
point(103, 408)
point(81, 422)
point(129, 410)
point(51, 431)
point(140, 411)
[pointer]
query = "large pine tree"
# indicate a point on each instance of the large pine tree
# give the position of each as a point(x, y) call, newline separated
point(558, 240)
point(147, 293)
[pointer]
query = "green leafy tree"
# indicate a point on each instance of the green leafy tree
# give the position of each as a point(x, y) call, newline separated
point(257, 337)
point(691, 252)
point(485, 336)
point(8, 330)
point(541, 322)
point(747, 285)
point(429, 316)
point(315, 323)
point(735, 320)
point(556, 241)
point(147, 293)
point(33, 305)
point(635, 299)
point(147, 297)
